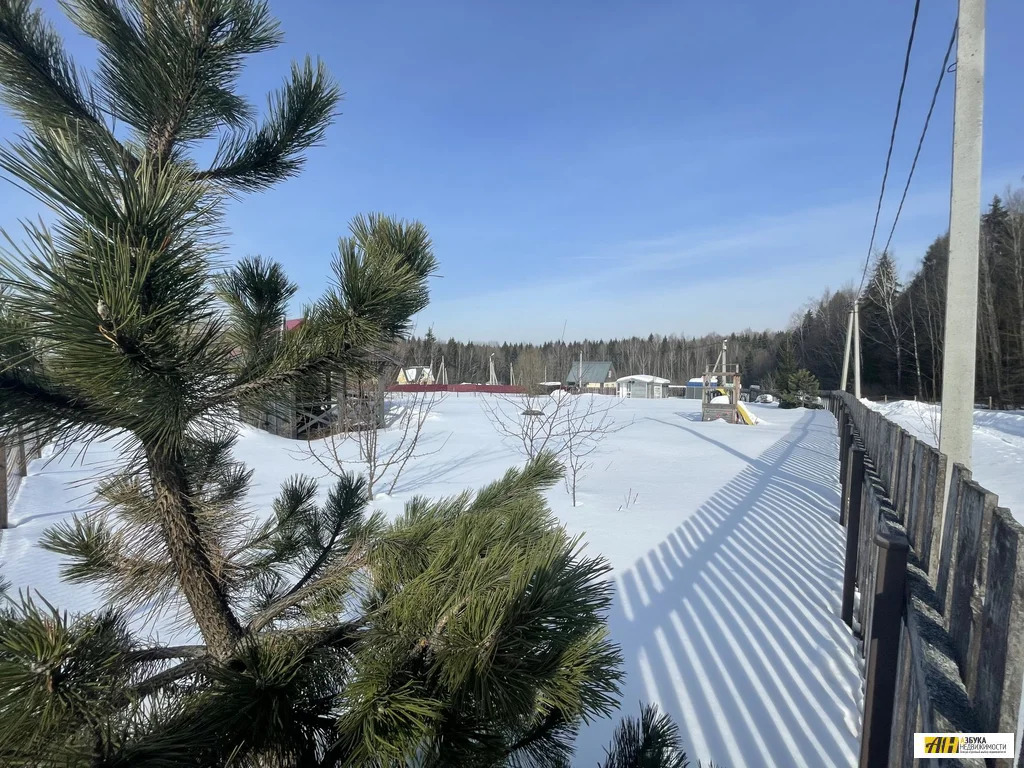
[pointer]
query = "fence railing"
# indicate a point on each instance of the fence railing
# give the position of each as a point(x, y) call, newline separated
point(15, 454)
point(934, 590)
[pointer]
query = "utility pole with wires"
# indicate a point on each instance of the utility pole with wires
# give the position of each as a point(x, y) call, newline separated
point(852, 340)
point(846, 352)
point(856, 350)
point(961, 333)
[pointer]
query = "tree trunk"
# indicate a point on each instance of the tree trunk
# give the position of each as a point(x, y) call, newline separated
point(344, 422)
point(917, 355)
point(199, 583)
point(990, 323)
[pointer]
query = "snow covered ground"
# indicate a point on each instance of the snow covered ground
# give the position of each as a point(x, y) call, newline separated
point(998, 455)
point(724, 542)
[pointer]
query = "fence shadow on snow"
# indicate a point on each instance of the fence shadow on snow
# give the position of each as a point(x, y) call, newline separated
point(732, 623)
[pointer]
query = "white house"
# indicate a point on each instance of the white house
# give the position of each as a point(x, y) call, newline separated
point(642, 385)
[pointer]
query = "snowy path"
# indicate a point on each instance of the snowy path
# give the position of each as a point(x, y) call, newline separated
point(731, 623)
point(727, 564)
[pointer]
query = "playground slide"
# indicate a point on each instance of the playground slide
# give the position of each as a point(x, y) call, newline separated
point(747, 416)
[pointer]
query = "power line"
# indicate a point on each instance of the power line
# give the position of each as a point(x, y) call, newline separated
point(920, 141)
point(892, 142)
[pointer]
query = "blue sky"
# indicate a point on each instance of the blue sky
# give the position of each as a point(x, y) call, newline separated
point(623, 168)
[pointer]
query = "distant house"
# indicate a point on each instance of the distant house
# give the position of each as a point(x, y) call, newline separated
point(416, 374)
point(597, 377)
point(642, 385)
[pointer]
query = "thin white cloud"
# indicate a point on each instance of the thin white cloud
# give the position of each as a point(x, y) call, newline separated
point(754, 272)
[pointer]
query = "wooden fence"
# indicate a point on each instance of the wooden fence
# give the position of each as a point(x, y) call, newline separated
point(301, 420)
point(934, 591)
point(14, 458)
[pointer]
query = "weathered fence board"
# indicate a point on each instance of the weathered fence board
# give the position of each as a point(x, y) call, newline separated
point(950, 533)
point(958, 663)
point(968, 582)
point(1000, 671)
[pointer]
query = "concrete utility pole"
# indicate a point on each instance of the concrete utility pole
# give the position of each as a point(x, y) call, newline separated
point(856, 350)
point(958, 361)
point(846, 352)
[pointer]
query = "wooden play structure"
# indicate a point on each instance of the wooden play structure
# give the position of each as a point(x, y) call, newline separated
point(722, 389)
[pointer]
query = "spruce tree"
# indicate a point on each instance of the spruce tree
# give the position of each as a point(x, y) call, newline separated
point(786, 365)
point(467, 632)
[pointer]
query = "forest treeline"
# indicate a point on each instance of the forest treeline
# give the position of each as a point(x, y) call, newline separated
point(902, 325)
point(673, 357)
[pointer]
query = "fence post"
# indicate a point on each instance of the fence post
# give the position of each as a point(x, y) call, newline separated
point(844, 447)
point(3, 485)
point(884, 645)
point(855, 484)
point(19, 436)
point(845, 459)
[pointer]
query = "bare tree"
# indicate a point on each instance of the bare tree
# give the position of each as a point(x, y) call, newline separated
point(531, 423)
point(530, 370)
point(638, 354)
point(571, 427)
point(1014, 246)
point(585, 423)
point(882, 320)
point(381, 448)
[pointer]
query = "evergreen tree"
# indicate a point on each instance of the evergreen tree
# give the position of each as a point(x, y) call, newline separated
point(467, 632)
point(786, 365)
point(430, 345)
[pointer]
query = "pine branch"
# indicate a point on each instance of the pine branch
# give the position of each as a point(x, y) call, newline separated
point(29, 402)
point(548, 742)
point(166, 652)
point(207, 43)
point(652, 741)
point(256, 293)
point(162, 680)
point(298, 117)
point(37, 79)
point(335, 576)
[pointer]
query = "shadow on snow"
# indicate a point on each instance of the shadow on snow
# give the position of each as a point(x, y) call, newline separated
point(732, 625)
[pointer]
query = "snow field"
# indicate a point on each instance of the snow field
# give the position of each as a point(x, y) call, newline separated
point(724, 542)
point(998, 455)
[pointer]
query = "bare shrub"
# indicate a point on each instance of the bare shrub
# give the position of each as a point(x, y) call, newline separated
point(571, 427)
point(382, 446)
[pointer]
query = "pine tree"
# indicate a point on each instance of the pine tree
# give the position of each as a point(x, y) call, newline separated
point(467, 632)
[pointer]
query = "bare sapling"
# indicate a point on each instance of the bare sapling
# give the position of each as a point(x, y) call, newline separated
point(530, 423)
point(586, 422)
point(569, 426)
point(381, 445)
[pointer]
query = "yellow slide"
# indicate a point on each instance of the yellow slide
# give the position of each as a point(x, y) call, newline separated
point(747, 416)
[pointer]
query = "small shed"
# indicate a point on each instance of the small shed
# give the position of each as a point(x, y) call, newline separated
point(695, 388)
point(642, 385)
